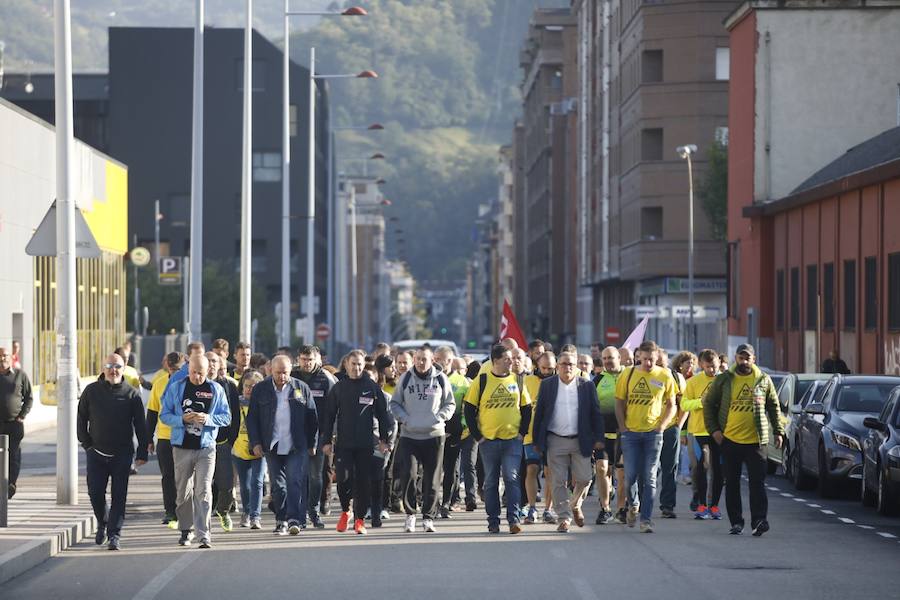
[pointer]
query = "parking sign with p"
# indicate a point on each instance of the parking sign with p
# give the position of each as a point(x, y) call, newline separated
point(170, 270)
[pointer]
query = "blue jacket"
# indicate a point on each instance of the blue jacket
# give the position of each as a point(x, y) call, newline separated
point(590, 420)
point(261, 415)
point(171, 413)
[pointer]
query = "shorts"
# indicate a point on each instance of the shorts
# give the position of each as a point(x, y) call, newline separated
point(532, 456)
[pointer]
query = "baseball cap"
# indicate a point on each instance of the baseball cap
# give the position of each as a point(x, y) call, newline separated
point(746, 349)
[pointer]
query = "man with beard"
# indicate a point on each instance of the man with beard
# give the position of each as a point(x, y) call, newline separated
point(546, 367)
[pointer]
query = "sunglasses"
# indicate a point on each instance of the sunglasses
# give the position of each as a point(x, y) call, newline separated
point(115, 366)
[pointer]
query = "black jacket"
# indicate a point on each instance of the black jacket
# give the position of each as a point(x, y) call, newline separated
point(231, 392)
point(15, 395)
point(109, 415)
point(350, 406)
point(261, 415)
point(590, 420)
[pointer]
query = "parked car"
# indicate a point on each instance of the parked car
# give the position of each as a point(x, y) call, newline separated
point(813, 394)
point(881, 458)
point(790, 388)
point(826, 447)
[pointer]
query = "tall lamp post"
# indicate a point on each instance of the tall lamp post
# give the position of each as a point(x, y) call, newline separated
point(284, 335)
point(686, 152)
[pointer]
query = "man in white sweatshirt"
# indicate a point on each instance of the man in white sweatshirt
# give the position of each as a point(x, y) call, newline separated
point(422, 403)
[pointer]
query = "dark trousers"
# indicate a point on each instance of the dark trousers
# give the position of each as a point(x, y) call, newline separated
point(100, 469)
point(223, 479)
point(427, 453)
point(287, 476)
point(327, 476)
point(166, 462)
point(378, 468)
point(450, 491)
point(668, 467)
point(468, 456)
point(700, 475)
point(314, 474)
point(353, 470)
point(736, 456)
point(16, 431)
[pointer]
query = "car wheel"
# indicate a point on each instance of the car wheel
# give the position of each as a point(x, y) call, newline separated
point(887, 501)
point(801, 480)
point(867, 496)
point(772, 466)
point(827, 486)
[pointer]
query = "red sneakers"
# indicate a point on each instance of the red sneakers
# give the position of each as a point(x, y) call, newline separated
point(343, 521)
point(360, 527)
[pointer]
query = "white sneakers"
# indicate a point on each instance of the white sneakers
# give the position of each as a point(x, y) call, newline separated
point(410, 524)
point(428, 525)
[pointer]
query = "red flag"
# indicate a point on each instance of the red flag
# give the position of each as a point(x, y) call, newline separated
point(509, 326)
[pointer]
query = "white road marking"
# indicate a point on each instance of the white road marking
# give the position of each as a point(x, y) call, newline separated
point(156, 585)
point(786, 495)
point(814, 505)
point(846, 520)
point(865, 526)
point(799, 500)
point(585, 592)
point(886, 535)
point(827, 512)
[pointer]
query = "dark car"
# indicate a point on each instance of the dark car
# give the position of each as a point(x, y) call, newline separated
point(827, 444)
point(790, 388)
point(881, 458)
point(812, 394)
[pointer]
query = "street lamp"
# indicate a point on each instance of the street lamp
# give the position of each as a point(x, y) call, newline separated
point(354, 11)
point(685, 152)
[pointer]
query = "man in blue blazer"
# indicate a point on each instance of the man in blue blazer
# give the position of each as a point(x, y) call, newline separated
point(282, 424)
point(568, 426)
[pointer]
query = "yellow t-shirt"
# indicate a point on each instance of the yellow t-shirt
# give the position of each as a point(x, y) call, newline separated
point(646, 395)
point(741, 425)
point(694, 393)
point(498, 407)
point(241, 447)
point(163, 431)
point(532, 386)
point(131, 377)
point(486, 367)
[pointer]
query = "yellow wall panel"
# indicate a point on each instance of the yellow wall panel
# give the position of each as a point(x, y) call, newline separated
point(108, 218)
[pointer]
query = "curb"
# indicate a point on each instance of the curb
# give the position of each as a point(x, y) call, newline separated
point(36, 552)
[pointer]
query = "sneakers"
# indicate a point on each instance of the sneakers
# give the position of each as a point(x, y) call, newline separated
point(385, 515)
point(225, 521)
point(113, 543)
point(294, 527)
point(563, 527)
point(632, 516)
point(604, 517)
point(515, 528)
point(736, 529)
point(255, 523)
point(317, 522)
point(186, 538)
point(471, 506)
point(646, 526)
point(168, 519)
point(325, 509)
point(343, 521)
point(359, 526)
point(667, 513)
point(621, 516)
point(245, 520)
point(702, 512)
point(531, 515)
point(428, 525)
point(493, 528)
point(101, 534)
point(761, 528)
point(280, 528)
point(715, 513)
point(695, 505)
point(376, 520)
point(410, 524)
point(549, 518)
point(11, 491)
point(205, 544)
point(445, 512)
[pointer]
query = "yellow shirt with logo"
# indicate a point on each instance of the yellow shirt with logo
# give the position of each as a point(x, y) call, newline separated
point(498, 407)
point(241, 447)
point(741, 425)
point(646, 395)
point(163, 431)
point(693, 402)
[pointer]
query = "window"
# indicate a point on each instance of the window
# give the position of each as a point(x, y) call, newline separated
point(870, 289)
point(849, 294)
point(812, 297)
point(651, 144)
point(267, 166)
point(893, 294)
point(828, 296)
point(779, 299)
point(723, 68)
point(795, 298)
point(652, 223)
point(722, 135)
point(259, 74)
point(652, 66)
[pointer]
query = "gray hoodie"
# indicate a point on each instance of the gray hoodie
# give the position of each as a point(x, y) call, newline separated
point(422, 404)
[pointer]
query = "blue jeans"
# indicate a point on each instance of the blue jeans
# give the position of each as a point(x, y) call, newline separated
point(641, 449)
point(468, 455)
point(501, 456)
point(287, 476)
point(250, 474)
point(668, 467)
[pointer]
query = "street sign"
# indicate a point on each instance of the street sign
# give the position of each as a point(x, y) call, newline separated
point(684, 312)
point(323, 331)
point(651, 312)
point(613, 335)
point(43, 241)
point(170, 270)
point(140, 256)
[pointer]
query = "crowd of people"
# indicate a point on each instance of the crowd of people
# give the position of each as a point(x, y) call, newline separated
point(428, 433)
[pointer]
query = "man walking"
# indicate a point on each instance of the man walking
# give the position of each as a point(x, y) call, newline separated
point(568, 426)
point(195, 408)
point(283, 425)
point(163, 446)
point(422, 403)
point(110, 412)
point(15, 404)
point(645, 404)
point(735, 409)
point(223, 477)
point(610, 457)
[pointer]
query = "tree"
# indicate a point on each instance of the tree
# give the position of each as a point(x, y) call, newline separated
point(713, 189)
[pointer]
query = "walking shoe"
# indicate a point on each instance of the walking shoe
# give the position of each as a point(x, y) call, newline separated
point(667, 513)
point(113, 543)
point(605, 517)
point(695, 505)
point(186, 538)
point(280, 528)
point(445, 512)
point(632, 516)
point(101, 534)
point(325, 509)
point(205, 544)
point(737, 529)
point(715, 513)
point(549, 518)
point(360, 527)
point(646, 526)
point(225, 521)
point(578, 517)
point(11, 491)
point(428, 525)
point(343, 521)
point(563, 526)
point(255, 523)
point(317, 522)
point(368, 516)
point(385, 515)
point(514, 528)
point(701, 512)
point(761, 528)
point(173, 523)
point(493, 529)
point(294, 527)
point(410, 524)
point(471, 506)
point(531, 516)
point(376, 521)
point(168, 519)
point(622, 515)
point(245, 520)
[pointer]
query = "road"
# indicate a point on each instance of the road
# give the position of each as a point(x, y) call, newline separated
point(816, 549)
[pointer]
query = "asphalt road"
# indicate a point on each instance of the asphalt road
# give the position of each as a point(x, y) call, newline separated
point(816, 549)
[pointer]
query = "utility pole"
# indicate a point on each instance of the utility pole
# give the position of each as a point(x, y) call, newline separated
point(311, 207)
point(247, 182)
point(284, 336)
point(194, 299)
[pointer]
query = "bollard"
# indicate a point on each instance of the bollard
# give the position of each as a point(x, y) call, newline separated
point(4, 479)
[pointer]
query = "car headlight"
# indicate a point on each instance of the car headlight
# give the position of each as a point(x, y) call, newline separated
point(843, 439)
point(894, 452)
